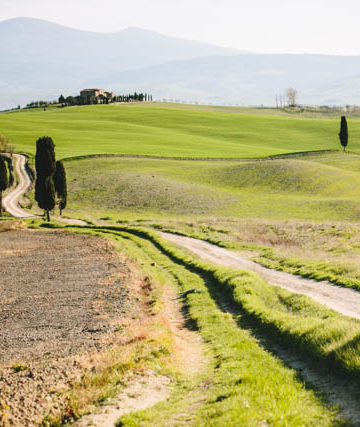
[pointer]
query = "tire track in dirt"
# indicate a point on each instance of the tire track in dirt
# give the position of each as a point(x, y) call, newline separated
point(343, 300)
point(146, 390)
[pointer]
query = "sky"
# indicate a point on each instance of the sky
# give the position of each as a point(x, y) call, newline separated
point(266, 26)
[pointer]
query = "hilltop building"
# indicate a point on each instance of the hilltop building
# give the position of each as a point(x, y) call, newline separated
point(97, 96)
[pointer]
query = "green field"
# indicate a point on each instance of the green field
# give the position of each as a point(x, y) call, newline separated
point(318, 187)
point(171, 131)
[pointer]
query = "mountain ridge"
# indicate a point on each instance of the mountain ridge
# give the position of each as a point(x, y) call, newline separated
point(41, 59)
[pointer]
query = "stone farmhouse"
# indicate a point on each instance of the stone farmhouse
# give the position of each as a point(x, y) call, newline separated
point(97, 96)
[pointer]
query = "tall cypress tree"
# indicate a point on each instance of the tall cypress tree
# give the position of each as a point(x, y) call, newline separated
point(60, 185)
point(45, 169)
point(343, 135)
point(4, 180)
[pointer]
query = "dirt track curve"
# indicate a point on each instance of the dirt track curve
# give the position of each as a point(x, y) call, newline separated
point(343, 300)
point(12, 198)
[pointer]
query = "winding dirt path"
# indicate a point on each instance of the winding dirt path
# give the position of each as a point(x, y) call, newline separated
point(12, 198)
point(343, 300)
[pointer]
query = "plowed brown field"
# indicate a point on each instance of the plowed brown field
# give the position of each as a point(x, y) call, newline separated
point(61, 294)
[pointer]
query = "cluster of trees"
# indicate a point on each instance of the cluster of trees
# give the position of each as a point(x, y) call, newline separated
point(141, 97)
point(79, 100)
point(50, 185)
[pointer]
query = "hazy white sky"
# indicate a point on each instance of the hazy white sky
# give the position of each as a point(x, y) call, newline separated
point(299, 26)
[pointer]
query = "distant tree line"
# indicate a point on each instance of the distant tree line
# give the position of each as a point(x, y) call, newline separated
point(86, 100)
point(41, 103)
point(141, 97)
point(81, 100)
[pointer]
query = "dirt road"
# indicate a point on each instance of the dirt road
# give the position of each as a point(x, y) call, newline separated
point(11, 199)
point(343, 300)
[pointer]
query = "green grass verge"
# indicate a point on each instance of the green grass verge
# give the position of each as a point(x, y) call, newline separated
point(308, 269)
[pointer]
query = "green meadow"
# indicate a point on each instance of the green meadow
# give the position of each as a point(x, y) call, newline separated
point(173, 131)
point(319, 187)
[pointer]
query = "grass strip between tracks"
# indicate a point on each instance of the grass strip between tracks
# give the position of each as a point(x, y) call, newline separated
point(267, 257)
point(248, 385)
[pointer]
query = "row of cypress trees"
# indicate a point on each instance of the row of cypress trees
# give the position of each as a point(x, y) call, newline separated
point(50, 177)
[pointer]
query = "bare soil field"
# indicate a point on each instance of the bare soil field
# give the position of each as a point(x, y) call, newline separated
point(62, 295)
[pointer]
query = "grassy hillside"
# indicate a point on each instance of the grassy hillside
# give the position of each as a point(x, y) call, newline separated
point(171, 131)
point(322, 188)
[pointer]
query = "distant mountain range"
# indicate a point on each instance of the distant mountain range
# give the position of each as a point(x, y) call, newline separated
point(41, 60)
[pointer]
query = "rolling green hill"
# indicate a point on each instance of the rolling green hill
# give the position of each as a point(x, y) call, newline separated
point(305, 188)
point(170, 131)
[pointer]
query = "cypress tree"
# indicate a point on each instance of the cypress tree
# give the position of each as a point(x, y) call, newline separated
point(49, 196)
point(45, 169)
point(60, 185)
point(4, 180)
point(343, 135)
